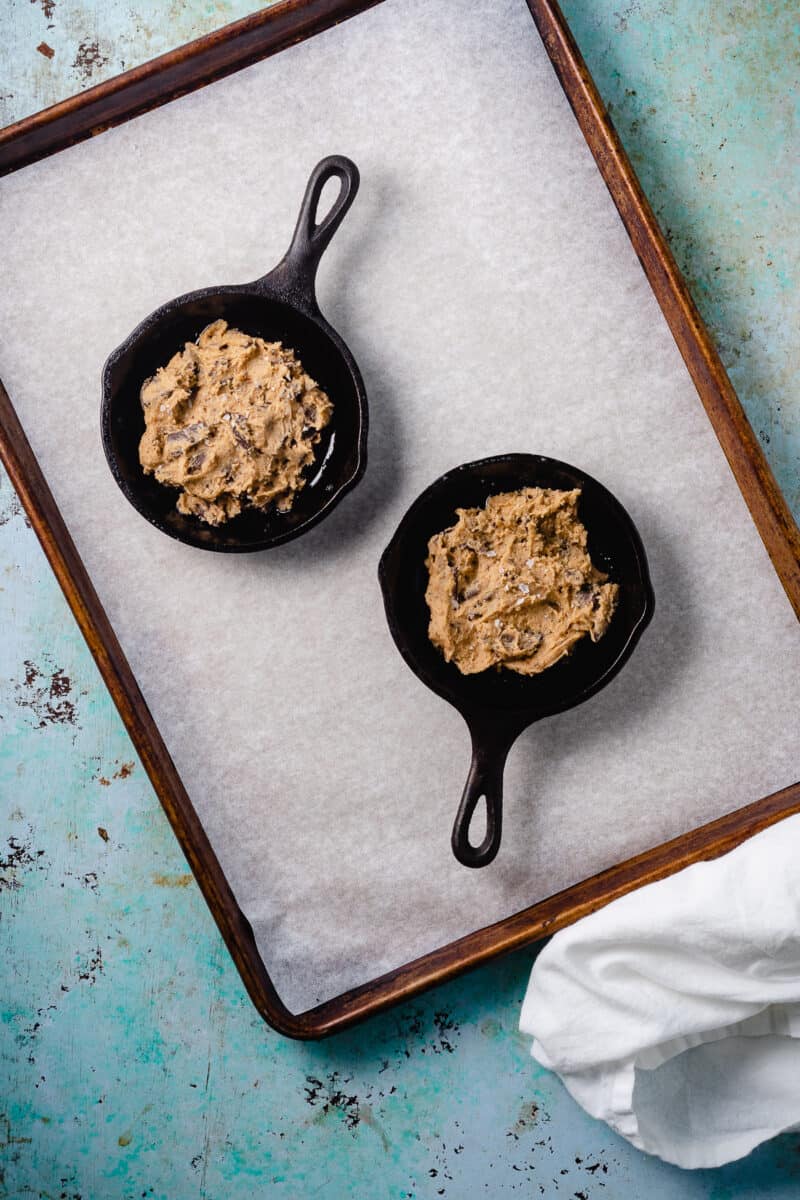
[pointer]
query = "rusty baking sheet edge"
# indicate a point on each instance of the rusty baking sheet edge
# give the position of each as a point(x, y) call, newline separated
point(190, 67)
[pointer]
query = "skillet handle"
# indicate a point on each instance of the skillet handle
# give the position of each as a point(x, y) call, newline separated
point(490, 747)
point(295, 275)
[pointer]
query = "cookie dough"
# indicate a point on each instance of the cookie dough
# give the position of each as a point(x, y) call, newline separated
point(231, 420)
point(512, 585)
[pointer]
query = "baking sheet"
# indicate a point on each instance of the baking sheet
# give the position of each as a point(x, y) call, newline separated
point(491, 297)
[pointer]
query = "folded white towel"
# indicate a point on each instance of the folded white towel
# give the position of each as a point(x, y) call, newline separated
point(674, 1013)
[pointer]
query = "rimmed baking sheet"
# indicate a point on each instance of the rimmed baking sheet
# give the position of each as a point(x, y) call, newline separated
point(493, 301)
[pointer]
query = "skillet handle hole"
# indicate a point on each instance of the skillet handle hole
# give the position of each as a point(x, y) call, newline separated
point(326, 201)
point(479, 824)
point(476, 835)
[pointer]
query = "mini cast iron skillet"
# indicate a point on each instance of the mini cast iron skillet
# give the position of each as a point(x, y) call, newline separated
point(281, 306)
point(499, 704)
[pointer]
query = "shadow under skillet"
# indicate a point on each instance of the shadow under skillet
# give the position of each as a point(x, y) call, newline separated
point(657, 668)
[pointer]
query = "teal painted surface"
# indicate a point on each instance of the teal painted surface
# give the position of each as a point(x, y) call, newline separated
point(131, 1062)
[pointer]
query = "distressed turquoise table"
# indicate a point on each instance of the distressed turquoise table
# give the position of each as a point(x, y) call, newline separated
point(132, 1062)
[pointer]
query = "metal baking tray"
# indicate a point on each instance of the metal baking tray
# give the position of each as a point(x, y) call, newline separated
point(182, 71)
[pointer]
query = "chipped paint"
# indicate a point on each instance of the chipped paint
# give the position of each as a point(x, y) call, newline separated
point(19, 858)
point(90, 965)
point(328, 1097)
point(11, 508)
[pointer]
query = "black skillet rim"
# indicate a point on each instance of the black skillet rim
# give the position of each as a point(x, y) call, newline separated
point(109, 393)
point(445, 680)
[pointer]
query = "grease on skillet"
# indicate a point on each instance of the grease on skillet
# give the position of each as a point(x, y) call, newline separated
point(231, 420)
point(512, 584)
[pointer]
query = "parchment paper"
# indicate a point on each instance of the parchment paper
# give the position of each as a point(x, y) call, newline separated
point(492, 299)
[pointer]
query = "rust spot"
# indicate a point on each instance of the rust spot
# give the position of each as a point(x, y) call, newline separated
point(89, 59)
point(46, 50)
point(104, 782)
point(60, 684)
point(103, 833)
point(48, 7)
point(46, 697)
point(174, 881)
point(124, 1139)
point(125, 770)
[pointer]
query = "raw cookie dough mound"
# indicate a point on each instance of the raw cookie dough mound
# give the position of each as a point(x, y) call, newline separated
point(512, 585)
point(231, 420)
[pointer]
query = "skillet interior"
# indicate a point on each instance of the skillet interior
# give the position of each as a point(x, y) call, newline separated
point(340, 454)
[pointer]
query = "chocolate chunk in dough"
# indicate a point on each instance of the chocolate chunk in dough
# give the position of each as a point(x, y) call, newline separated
point(231, 420)
point(512, 585)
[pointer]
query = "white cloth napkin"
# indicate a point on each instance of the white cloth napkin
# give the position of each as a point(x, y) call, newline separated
point(674, 1013)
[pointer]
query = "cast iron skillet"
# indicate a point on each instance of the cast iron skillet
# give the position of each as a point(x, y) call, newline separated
point(499, 704)
point(281, 306)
